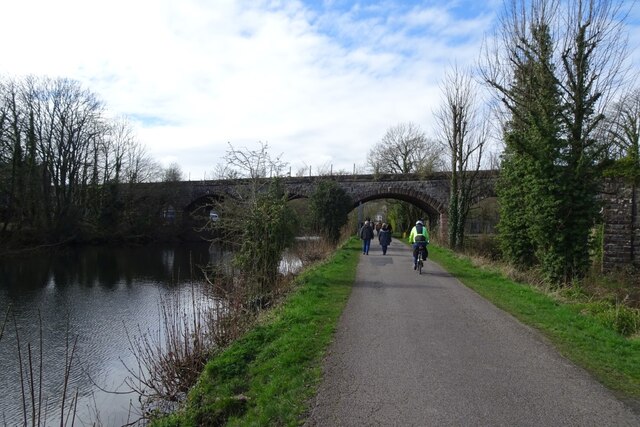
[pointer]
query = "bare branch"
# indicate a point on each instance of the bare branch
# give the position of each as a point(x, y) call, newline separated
point(405, 149)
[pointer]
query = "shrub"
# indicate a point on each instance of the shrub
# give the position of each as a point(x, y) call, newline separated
point(618, 317)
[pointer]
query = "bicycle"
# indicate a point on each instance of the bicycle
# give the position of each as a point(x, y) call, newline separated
point(422, 255)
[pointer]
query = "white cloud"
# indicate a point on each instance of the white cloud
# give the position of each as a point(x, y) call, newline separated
point(195, 76)
point(317, 84)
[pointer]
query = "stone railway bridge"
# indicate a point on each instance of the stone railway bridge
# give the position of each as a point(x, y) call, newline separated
point(621, 204)
point(429, 193)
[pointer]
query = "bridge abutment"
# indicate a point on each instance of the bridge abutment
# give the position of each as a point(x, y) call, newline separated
point(621, 235)
point(443, 227)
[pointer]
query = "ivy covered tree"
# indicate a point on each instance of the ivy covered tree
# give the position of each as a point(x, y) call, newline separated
point(554, 86)
point(267, 228)
point(330, 207)
point(463, 132)
point(528, 187)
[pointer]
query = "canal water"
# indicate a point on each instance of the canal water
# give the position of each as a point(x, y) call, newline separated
point(96, 295)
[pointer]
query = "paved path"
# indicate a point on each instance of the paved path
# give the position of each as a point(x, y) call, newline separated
point(426, 351)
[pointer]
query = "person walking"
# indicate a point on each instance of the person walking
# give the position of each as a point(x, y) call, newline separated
point(384, 237)
point(366, 234)
point(419, 236)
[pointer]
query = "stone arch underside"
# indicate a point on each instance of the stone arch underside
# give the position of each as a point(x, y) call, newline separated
point(203, 200)
point(434, 208)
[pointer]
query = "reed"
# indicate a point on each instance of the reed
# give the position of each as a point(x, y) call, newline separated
point(34, 402)
point(168, 362)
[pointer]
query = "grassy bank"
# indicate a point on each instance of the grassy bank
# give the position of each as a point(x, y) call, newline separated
point(268, 376)
point(613, 359)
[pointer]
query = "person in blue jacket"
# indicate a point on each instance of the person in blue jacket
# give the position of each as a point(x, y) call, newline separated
point(366, 234)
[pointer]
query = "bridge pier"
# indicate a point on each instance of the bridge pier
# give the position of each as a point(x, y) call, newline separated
point(621, 235)
point(443, 227)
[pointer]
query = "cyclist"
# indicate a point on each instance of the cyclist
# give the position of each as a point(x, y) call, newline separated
point(419, 236)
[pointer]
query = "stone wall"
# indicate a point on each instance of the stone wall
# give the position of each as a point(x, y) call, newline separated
point(621, 238)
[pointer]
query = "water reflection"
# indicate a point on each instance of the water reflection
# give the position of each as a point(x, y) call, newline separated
point(99, 295)
point(107, 267)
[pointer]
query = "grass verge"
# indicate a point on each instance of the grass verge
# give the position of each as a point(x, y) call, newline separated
point(268, 376)
point(613, 359)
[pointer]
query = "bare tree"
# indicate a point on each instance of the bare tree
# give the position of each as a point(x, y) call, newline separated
point(139, 166)
point(594, 52)
point(118, 141)
point(302, 171)
point(405, 149)
point(172, 173)
point(324, 169)
point(223, 171)
point(68, 128)
point(51, 127)
point(622, 127)
point(464, 132)
point(255, 164)
point(12, 177)
point(62, 160)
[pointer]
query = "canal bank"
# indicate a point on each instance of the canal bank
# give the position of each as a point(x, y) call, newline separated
point(268, 376)
point(271, 375)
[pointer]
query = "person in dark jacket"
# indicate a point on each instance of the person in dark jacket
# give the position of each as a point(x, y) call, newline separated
point(366, 234)
point(384, 237)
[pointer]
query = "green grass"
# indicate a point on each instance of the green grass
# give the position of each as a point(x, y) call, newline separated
point(268, 376)
point(579, 335)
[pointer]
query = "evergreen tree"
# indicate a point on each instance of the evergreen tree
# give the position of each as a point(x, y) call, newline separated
point(528, 188)
point(514, 225)
point(554, 85)
point(330, 207)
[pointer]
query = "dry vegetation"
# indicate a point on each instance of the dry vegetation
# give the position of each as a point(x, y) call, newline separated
point(613, 299)
point(170, 361)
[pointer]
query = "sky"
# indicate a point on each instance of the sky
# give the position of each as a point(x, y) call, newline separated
point(318, 82)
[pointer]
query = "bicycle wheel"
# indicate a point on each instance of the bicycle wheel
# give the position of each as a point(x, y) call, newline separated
point(420, 266)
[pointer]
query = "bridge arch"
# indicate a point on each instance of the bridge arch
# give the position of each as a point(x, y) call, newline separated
point(435, 209)
point(204, 200)
point(199, 210)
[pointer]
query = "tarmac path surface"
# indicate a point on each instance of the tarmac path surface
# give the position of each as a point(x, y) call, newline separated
point(424, 350)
